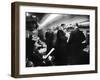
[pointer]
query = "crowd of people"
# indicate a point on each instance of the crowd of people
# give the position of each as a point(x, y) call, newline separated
point(62, 45)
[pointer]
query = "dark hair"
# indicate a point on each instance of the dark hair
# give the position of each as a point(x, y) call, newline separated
point(70, 28)
point(62, 24)
point(77, 25)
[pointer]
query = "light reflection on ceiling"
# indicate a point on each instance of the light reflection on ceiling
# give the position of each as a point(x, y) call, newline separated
point(48, 20)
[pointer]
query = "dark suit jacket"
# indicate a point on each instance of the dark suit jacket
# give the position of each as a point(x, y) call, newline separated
point(75, 42)
point(49, 39)
point(61, 48)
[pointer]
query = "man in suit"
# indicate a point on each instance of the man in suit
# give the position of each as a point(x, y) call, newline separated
point(49, 35)
point(75, 45)
point(61, 48)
